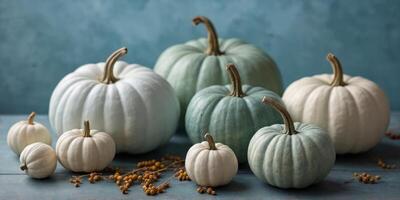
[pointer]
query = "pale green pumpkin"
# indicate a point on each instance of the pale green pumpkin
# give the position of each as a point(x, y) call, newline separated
point(200, 63)
point(290, 155)
point(232, 117)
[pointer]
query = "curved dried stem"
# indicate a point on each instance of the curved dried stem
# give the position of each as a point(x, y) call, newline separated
point(109, 66)
point(289, 125)
point(235, 80)
point(31, 118)
point(213, 45)
point(210, 141)
point(337, 70)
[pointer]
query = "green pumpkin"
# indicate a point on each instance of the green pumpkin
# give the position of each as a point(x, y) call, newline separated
point(231, 116)
point(293, 155)
point(198, 64)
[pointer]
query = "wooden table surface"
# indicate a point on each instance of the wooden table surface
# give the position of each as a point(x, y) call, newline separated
point(14, 184)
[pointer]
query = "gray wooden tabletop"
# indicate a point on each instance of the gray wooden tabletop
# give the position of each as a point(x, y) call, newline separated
point(14, 184)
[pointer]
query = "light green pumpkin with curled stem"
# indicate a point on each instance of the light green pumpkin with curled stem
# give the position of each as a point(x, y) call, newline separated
point(231, 116)
point(200, 63)
point(290, 155)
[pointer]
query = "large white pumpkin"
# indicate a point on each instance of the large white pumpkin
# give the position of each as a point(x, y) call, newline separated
point(131, 102)
point(85, 150)
point(354, 110)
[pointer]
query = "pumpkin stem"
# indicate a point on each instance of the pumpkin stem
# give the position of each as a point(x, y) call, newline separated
point(86, 129)
point(109, 66)
point(23, 167)
point(289, 125)
point(213, 45)
point(210, 141)
point(337, 70)
point(31, 117)
point(235, 80)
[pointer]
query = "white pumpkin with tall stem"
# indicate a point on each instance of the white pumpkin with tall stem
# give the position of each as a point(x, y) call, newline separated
point(211, 164)
point(354, 110)
point(85, 150)
point(136, 106)
point(27, 132)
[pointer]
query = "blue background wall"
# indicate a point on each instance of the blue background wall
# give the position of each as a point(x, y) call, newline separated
point(41, 41)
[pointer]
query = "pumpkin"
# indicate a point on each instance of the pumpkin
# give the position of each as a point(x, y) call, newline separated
point(85, 150)
point(290, 155)
point(232, 116)
point(354, 110)
point(198, 64)
point(211, 164)
point(136, 106)
point(27, 132)
point(38, 160)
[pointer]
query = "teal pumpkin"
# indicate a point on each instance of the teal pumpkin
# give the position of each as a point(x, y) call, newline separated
point(293, 155)
point(200, 63)
point(232, 117)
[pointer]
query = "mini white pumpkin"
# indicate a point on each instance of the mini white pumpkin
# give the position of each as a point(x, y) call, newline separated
point(210, 164)
point(27, 132)
point(133, 104)
point(38, 160)
point(85, 150)
point(354, 110)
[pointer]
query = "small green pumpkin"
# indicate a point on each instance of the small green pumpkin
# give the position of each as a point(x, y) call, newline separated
point(200, 63)
point(231, 116)
point(290, 155)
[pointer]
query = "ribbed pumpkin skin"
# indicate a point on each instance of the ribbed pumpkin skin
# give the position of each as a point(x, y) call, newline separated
point(230, 120)
point(189, 69)
point(140, 111)
point(22, 134)
point(39, 159)
point(85, 154)
point(355, 115)
point(211, 167)
point(291, 161)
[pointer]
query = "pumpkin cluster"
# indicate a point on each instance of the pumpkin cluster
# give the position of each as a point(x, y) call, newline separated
point(78, 150)
point(136, 106)
point(224, 91)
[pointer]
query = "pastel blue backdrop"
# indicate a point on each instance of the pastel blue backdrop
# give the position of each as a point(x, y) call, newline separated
point(41, 41)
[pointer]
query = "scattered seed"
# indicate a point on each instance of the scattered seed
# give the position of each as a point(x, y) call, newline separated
point(382, 164)
point(146, 173)
point(392, 135)
point(366, 178)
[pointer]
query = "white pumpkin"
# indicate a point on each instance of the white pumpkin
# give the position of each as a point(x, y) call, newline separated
point(38, 160)
point(27, 132)
point(354, 110)
point(137, 107)
point(85, 150)
point(210, 164)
